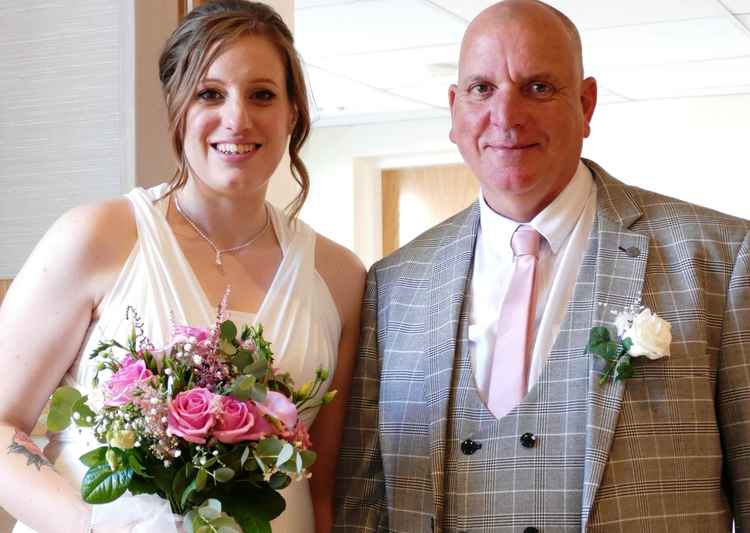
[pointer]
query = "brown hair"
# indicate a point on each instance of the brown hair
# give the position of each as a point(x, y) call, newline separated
point(199, 39)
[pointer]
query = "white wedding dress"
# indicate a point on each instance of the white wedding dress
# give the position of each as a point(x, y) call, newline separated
point(298, 315)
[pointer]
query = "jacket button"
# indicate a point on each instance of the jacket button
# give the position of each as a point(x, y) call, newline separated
point(469, 447)
point(633, 251)
point(531, 530)
point(528, 440)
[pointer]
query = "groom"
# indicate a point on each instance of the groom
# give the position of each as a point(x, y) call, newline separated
point(475, 405)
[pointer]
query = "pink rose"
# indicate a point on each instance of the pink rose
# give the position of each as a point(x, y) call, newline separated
point(238, 421)
point(191, 415)
point(280, 407)
point(118, 390)
point(200, 334)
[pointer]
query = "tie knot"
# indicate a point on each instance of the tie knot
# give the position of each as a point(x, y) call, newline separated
point(525, 241)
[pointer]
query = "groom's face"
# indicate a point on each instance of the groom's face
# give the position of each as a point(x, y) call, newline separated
point(520, 109)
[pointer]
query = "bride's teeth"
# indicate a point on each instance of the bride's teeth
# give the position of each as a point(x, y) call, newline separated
point(231, 148)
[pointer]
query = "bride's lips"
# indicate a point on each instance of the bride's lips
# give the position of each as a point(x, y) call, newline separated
point(235, 152)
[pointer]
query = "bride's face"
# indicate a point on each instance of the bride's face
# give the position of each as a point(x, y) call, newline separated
point(240, 118)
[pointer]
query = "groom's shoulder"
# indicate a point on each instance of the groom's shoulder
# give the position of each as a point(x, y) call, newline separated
point(421, 252)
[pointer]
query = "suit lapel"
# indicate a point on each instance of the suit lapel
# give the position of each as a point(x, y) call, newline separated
point(621, 257)
point(448, 285)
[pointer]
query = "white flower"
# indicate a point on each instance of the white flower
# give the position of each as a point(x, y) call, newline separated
point(623, 321)
point(651, 335)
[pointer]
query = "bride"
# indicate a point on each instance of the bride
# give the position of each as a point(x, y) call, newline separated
point(236, 98)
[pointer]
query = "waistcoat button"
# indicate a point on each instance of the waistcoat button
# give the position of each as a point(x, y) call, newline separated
point(528, 440)
point(469, 447)
point(633, 251)
point(531, 530)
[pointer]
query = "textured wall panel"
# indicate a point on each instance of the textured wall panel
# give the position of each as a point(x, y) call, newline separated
point(61, 132)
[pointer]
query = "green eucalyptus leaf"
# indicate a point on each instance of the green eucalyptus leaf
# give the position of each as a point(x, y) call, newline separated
point(242, 358)
point(228, 330)
point(286, 453)
point(95, 457)
point(258, 369)
point(245, 455)
point(251, 506)
point(61, 408)
point(258, 393)
point(268, 450)
point(227, 347)
point(308, 458)
point(208, 513)
point(223, 475)
point(279, 481)
point(103, 485)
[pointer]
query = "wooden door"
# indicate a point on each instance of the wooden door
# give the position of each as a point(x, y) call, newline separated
point(417, 198)
point(4, 284)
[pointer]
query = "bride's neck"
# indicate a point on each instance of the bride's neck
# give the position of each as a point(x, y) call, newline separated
point(227, 221)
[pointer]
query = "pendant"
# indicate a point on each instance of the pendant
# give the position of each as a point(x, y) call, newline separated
point(218, 258)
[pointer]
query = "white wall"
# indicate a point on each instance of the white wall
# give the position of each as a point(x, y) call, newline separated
point(696, 149)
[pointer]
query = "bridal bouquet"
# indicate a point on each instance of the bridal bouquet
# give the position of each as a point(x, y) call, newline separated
point(206, 422)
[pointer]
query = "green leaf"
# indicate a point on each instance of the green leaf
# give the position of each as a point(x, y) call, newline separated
point(286, 453)
point(228, 330)
point(279, 481)
point(624, 368)
point(599, 334)
point(601, 343)
point(627, 344)
point(86, 415)
point(102, 485)
point(134, 462)
point(222, 475)
point(61, 408)
point(227, 347)
point(242, 359)
point(268, 450)
point(208, 513)
point(308, 458)
point(242, 388)
point(253, 507)
point(258, 393)
point(201, 479)
point(190, 489)
point(258, 369)
point(139, 485)
point(95, 457)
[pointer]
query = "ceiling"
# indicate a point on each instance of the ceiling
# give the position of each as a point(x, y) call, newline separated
point(384, 60)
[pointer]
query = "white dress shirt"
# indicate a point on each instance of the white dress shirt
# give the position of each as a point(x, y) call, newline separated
point(565, 225)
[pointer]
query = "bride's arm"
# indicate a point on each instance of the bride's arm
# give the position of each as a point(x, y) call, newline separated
point(43, 320)
point(345, 276)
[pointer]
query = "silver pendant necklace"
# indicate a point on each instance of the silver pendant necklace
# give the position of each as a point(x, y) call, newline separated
point(211, 243)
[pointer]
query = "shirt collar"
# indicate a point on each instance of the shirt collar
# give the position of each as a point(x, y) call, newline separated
point(554, 222)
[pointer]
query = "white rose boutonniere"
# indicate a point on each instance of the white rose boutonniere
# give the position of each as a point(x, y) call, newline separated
point(641, 333)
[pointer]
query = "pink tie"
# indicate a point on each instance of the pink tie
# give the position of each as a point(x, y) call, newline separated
point(511, 358)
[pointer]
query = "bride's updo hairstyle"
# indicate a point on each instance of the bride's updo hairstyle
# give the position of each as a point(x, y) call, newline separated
point(202, 36)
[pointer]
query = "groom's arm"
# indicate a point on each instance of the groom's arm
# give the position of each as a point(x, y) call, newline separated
point(360, 489)
point(733, 394)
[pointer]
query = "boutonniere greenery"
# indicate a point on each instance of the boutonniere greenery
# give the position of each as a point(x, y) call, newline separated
point(640, 332)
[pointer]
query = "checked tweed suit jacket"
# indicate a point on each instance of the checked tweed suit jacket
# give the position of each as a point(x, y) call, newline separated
point(666, 450)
